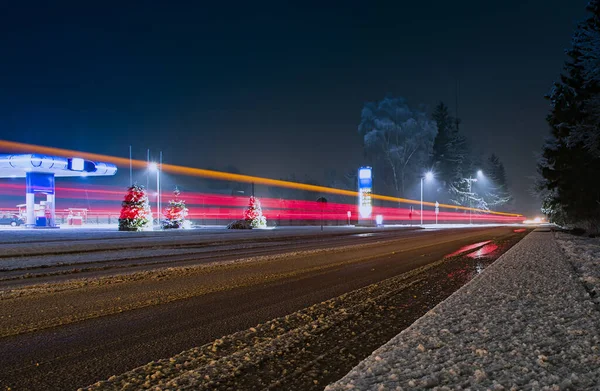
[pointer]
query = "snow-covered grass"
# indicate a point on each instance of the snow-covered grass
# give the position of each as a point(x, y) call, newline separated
point(525, 323)
point(584, 254)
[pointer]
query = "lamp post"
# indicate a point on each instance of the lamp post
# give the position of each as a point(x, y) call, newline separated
point(154, 167)
point(322, 201)
point(471, 180)
point(160, 163)
point(428, 176)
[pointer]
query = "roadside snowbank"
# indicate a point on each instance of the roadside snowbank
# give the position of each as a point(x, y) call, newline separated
point(584, 254)
point(525, 323)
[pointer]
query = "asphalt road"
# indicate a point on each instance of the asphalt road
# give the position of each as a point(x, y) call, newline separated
point(53, 255)
point(90, 333)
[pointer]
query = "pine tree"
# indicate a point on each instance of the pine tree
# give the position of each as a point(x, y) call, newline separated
point(254, 214)
point(497, 193)
point(449, 147)
point(445, 124)
point(135, 211)
point(451, 158)
point(495, 171)
point(569, 166)
point(176, 213)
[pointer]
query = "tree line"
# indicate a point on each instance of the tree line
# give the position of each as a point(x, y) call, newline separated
point(569, 168)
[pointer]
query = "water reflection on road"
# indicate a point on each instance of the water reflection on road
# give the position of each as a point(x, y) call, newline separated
point(483, 251)
point(467, 248)
point(471, 260)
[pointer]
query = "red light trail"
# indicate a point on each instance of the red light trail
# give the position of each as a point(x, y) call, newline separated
point(223, 208)
point(190, 171)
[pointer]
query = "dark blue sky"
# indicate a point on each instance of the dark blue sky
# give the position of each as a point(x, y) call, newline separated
point(276, 88)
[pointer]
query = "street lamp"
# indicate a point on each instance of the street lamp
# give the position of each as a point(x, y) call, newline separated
point(428, 176)
point(155, 168)
point(471, 180)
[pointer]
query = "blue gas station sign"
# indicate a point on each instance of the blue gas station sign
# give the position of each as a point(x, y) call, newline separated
point(365, 188)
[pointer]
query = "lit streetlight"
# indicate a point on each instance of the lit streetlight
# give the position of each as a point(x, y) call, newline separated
point(154, 167)
point(471, 180)
point(428, 176)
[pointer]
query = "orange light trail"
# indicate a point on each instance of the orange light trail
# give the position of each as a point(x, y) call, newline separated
point(12, 146)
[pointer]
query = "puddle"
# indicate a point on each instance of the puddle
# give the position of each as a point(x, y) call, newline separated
point(469, 247)
point(482, 252)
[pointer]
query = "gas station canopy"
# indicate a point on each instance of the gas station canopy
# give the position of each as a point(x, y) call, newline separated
point(17, 166)
point(39, 172)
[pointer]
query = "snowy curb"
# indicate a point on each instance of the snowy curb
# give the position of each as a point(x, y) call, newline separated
point(525, 323)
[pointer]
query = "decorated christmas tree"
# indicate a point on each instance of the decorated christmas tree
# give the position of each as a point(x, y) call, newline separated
point(254, 214)
point(176, 213)
point(135, 211)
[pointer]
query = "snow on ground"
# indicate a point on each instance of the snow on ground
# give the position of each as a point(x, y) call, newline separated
point(527, 322)
point(584, 254)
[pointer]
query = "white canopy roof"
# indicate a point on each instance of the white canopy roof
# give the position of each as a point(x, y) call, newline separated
point(17, 166)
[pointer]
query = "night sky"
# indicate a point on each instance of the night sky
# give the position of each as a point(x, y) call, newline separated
point(276, 88)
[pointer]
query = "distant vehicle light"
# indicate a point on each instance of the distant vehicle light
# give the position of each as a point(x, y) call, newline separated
point(536, 220)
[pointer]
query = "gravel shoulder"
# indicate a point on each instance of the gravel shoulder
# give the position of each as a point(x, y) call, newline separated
point(526, 323)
